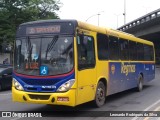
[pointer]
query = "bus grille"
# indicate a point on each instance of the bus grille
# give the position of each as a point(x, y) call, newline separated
point(39, 97)
point(40, 82)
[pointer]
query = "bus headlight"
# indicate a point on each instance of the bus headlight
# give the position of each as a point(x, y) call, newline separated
point(17, 85)
point(66, 86)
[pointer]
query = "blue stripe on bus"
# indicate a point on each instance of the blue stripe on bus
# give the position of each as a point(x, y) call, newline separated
point(43, 84)
point(124, 75)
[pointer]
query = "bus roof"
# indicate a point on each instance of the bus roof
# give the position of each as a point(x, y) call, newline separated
point(50, 21)
point(129, 36)
point(112, 32)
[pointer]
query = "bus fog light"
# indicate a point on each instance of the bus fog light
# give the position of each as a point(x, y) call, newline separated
point(17, 85)
point(66, 86)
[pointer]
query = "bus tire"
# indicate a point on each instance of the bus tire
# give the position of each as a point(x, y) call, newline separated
point(140, 83)
point(100, 96)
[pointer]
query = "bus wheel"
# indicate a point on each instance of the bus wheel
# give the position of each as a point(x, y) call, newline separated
point(140, 83)
point(100, 96)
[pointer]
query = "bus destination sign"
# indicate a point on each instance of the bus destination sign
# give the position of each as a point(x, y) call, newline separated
point(43, 29)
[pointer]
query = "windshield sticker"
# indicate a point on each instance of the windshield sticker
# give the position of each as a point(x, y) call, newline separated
point(32, 65)
point(43, 70)
point(35, 56)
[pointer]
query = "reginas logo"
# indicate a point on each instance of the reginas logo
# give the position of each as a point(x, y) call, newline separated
point(128, 68)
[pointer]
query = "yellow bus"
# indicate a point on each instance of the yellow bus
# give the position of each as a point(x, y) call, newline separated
point(68, 62)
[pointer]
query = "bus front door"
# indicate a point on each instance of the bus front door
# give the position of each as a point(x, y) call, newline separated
point(86, 73)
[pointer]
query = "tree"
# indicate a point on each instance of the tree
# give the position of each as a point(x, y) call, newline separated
point(15, 12)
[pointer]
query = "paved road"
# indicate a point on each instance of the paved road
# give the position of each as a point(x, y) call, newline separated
point(147, 100)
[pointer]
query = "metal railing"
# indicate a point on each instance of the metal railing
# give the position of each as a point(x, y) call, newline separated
point(148, 17)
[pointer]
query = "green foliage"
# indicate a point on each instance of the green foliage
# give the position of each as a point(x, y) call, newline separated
point(15, 12)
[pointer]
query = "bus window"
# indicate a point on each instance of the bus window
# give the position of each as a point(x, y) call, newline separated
point(113, 48)
point(124, 52)
point(86, 55)
point(54, 52)
point(132, 50)
point(148, 53)
point(102, 46)
point(151, 53)
point(140, 51)
point(57, 54)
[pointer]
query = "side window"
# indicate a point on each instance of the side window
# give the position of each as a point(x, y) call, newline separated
point(132, 50)
point(86, 54)
point(102, 46)
point(113, 48)
point(124, 52)
point(140, 51)
point(151, 52)
point(148, 53)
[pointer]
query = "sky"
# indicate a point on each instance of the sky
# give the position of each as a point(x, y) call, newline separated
point(110, 11)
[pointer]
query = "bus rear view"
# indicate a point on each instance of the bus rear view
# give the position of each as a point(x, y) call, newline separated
point(44, 63)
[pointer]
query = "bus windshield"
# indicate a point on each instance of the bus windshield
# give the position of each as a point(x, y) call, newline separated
point(53, 52)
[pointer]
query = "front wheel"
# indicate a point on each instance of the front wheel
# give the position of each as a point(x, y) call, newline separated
point(100, 96)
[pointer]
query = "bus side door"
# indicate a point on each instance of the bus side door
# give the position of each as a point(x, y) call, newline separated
point(86, 73)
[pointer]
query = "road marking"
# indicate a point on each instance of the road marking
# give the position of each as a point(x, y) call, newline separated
point(154, 110)
point(157, 108)
point(149, 107)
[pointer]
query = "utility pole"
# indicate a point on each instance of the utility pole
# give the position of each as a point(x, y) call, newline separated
point(124, 12)
point(98, 18)
point(117, 15)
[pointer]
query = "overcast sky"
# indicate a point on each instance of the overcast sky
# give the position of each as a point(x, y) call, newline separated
point(109, 10)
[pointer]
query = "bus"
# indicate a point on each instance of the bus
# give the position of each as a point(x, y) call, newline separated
point(69, 62)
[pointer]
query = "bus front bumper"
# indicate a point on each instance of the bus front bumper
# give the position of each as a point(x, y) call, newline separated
point(66, 98)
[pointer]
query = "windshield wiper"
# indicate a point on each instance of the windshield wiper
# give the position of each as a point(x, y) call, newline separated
point(51, 44)
point(29, 50)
